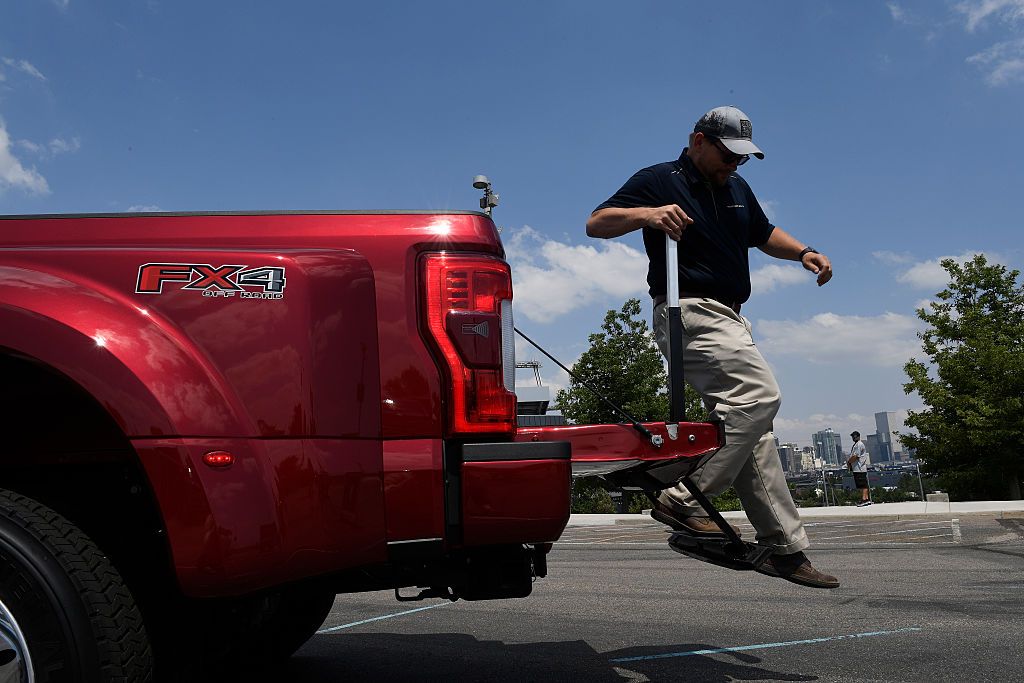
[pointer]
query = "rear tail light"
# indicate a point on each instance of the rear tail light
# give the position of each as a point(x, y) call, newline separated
point(469, 317)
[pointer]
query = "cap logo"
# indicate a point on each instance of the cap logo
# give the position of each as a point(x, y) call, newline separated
point(713, 122)
point(746, 131)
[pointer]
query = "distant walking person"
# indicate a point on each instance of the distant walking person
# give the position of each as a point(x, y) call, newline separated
point(858, 464)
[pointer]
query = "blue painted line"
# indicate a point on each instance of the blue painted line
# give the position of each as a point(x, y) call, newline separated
point(386, 616)
point(763, 646)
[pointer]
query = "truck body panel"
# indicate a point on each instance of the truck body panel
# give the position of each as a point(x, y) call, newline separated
point(286, 509)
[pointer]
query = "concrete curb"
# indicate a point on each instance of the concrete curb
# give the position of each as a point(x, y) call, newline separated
point(997, 508)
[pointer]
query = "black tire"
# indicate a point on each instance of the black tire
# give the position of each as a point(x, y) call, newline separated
point(77, 619)
point(203, 640)
point(268, 629)
point(298, 616)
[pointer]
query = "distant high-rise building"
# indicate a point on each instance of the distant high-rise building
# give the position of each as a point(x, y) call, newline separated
point(789, 454)
point(828, 446)
point(874, 449)
point(807, 458)
point(889, 446)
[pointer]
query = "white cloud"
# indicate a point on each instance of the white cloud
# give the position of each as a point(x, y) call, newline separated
point(926, 304)
point(143, 208)
point(928, 27)
point(1004, 62)
point(13, 174)
point(62, 146)
point(24, 66)
point(771, 209)
point(931, 275)
point(887, 340)
point(892, 258)
point(767, 278)
point(897, 12)
point(29, 146)
point(52, 148)
point(552, 278)
point(925, 275)
point(977, 11)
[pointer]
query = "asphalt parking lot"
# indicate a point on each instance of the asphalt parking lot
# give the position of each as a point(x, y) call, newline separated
point(929, 599)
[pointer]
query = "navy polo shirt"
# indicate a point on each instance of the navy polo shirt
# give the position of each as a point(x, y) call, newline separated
point(727, 222)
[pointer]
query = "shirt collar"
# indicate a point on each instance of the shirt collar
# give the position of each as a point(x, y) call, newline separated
point(691, 173)
point(688, 169)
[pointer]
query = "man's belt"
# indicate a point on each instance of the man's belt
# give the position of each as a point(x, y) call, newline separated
point(734, 305)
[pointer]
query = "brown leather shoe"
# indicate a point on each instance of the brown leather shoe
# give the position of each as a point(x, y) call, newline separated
point(693, 525)
point(797, 568)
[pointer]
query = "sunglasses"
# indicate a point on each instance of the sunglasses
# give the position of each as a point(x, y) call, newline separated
point(727, 156)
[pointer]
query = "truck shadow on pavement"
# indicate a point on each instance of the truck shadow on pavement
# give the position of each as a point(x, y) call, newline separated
point(461, 657)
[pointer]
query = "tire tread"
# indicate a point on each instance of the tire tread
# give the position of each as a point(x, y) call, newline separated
point(121, 641)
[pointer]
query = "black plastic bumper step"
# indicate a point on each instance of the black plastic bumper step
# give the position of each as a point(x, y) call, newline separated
point(724, 552)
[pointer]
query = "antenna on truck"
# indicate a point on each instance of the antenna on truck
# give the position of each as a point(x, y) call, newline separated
point(490, 199)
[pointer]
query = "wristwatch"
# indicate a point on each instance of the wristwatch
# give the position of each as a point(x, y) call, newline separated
point(807, 250)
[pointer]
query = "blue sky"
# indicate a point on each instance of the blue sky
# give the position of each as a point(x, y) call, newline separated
point(891, 130)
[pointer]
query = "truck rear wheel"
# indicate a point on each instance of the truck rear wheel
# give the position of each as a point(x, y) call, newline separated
point(206, 639)
point(268, 629)
point(296, 618)
point(65, 613)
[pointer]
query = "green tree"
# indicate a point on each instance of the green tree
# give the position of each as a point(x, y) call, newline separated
point(625, 365)
point(588, 497)
point(971, 433)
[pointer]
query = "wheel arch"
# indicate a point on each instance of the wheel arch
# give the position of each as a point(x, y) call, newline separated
point(63, 449)
point(138, 366)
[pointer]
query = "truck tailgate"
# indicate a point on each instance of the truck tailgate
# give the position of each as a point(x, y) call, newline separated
point(621, 454)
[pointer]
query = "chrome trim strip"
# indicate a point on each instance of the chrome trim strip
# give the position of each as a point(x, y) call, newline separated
point(416, 540)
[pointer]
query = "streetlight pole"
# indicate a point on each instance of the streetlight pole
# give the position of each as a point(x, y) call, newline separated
point(824, 484)
point(919, 483)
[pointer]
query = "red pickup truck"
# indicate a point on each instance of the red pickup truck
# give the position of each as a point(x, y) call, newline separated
point(214, 423)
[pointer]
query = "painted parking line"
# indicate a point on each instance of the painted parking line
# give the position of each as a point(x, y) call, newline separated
point(332, 629)
point(612, 538)
point(616, 544)
point(885, 544)
point(828, 526)
point(886, 533)
point(763, 646)
point(826, 534)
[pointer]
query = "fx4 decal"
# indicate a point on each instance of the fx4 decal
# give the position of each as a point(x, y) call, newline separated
point(220, 281)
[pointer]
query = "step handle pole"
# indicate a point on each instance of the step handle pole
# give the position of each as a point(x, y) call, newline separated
point(676, 386)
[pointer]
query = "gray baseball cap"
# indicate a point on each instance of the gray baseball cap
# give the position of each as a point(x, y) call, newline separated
point(732, 127)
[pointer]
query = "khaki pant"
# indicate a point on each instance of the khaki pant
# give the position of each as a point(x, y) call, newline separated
point(721, 362)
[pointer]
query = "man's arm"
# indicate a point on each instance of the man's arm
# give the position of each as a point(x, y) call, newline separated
point(784, 246)
point(607, 223)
